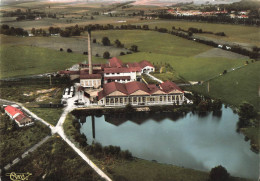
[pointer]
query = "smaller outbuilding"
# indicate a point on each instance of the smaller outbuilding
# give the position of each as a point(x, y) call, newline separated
point(18, 116)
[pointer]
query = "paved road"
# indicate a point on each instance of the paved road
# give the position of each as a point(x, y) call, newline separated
point(59, 129)
point(154, 78)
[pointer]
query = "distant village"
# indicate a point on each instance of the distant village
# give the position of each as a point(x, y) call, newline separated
point(232, 14)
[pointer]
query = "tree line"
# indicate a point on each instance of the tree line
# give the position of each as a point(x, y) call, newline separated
point(6, 30)
point(211, 19)
point(28, 14)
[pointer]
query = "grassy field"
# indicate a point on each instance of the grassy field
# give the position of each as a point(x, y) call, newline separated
point(235, 33)
point(76, 44)
point(143, 170)
point(190, 68)
point(27, 60)
point(235, 87)
point(55, 160)
point(15, 142)
point(51, 115)
point(154, 42)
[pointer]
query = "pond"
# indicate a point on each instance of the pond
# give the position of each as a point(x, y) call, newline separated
point(192, 140)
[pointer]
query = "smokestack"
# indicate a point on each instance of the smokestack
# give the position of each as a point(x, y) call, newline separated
point(89, 52)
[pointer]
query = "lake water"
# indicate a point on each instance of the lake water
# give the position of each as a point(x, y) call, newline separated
point(192, 141)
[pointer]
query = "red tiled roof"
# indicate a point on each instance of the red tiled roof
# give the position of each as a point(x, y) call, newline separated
point(115, 62)
point(153, 88)
point(135, 86)
point(13, 110)
point(141, 64)
point(169, 86)
point(131, 87)
point(90, 76)
point(135, 64)
point(135, 69)
point(20, 117)
point(118, 78)
point(145, 63)
point(114, 86)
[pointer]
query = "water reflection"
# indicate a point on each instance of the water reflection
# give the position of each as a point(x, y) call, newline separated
point(191, 140)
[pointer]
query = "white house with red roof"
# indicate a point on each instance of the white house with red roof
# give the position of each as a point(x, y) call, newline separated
point(114, 71)
point(18, 116)
point(138, 93)
point(145, 66)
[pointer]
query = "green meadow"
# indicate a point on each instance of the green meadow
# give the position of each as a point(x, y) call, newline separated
point(26, 60)
point(190, 68)
point(154, 42)
point(235, 87)
point(234, 33)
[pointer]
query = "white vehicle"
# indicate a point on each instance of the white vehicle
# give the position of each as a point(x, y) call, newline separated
point(228, 48)
point(71, 89)
point(220, 46)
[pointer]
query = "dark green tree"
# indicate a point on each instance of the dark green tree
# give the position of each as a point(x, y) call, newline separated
point(106, 55)
point(246, 111)
point(218, 173)
point(105, 41)
point(134, 48)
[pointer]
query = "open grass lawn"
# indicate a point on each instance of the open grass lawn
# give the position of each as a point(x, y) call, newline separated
point(143, 170)
point(55, 160)
point(14, 142)
point(51, 115)
point(190, 68)
point(76, 44)
point(235, 87)
point(26, 60)
point(235, 33)
point(33, 90)
point(150, 41)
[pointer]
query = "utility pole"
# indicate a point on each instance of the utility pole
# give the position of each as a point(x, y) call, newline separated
point(50, 79)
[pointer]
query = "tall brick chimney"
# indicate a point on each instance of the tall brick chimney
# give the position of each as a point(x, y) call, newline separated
point(89, 52)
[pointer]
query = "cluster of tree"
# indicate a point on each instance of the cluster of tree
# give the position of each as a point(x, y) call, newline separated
point(106, 41)
point(212, 19)
point(119, 44)
point(205, 104)
point(28, 14)
point(98, 151)
point(95, 13)
point(106, 55)
point(246, 114)
point(252, 54)
point(53, 30)
point(218, 173)
point(8, 126)
point(112, 27)
point(6, 30)
point(71, 31)
point(38, 32)
point(134, 48)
